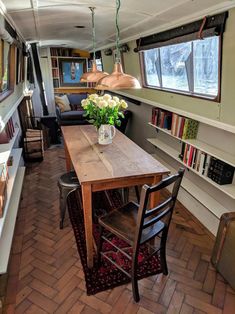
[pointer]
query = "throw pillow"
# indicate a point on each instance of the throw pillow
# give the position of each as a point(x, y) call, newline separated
point(63, 103)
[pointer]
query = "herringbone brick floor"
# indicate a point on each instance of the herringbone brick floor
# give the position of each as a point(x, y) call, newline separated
point(45, 274)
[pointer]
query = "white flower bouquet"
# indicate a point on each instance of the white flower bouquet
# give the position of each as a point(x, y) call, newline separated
point(104, 109)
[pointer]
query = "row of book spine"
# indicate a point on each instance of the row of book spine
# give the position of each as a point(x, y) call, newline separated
point(195, 159)
point(55, 73)
point(56, 83)
point(8, 132)
point(179, 126)
point(61, 52)
point(54, 63)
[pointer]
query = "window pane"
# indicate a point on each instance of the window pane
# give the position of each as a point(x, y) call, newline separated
point(151, 61)
point(173, 58)
point(5, 79)
point(206, 61)
point(99, 64)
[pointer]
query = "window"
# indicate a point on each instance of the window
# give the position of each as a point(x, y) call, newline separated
point(4, 66)
point(190, 67)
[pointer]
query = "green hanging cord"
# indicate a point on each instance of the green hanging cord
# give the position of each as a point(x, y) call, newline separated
point(93, 31)
point(118, 56)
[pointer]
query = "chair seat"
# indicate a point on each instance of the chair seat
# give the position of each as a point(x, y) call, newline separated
point(122, 222)
point(69, 180)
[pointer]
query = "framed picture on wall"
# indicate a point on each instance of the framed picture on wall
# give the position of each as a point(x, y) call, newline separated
point(71, 71)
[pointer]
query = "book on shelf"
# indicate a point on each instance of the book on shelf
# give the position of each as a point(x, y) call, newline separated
point(56, 83)
point(3, 185)
point(179, 126)
point(207, 163)
point(54, 62)
point(220, 172)
point(8, 132)
point(161, 118)
point(190, 129)
point(55, 73)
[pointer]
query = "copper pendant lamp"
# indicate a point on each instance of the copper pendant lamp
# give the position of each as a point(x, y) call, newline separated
point(118, 79)
point(94, 75)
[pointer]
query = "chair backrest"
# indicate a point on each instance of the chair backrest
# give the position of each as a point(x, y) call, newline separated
point(149, 218)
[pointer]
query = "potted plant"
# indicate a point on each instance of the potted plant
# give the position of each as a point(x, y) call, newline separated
point(104, 112)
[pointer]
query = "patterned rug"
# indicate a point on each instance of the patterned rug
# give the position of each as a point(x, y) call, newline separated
point(107, 276)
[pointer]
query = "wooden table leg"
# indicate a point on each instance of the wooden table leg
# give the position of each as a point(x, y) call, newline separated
point(87, 208)
point(155, 197)
point(67, 159)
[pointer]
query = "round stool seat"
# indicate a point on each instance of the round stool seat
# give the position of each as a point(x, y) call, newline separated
point(69, 180)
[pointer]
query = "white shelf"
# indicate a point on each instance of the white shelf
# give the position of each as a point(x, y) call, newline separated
point(200, 195)
point(209, 149)
point(228, 189)
point(5, 113)
point(12, 172)
point(8, 231)
point(5, 149)
point(214, 123)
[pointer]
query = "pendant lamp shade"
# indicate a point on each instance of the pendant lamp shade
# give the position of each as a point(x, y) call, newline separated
point(118, 79)
point(94, 75)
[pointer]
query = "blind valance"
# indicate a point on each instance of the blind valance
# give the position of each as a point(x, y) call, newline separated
point(207, 27)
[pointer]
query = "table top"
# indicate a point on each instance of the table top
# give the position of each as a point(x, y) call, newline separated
point(95, 163)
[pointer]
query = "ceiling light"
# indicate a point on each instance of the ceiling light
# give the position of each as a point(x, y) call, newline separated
point(118, 79)
point(94, 75)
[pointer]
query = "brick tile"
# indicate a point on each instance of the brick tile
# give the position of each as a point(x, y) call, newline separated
point(42, 302)
point(67, 289)
point(44, 277)
point(44, 289)
point(77, 308)
point(167, 293)
point(22, 294)
point(22, 307)
point(219, 294)
point(203, 306)
point(70, 301)
point(95, 303)
point(176, 303)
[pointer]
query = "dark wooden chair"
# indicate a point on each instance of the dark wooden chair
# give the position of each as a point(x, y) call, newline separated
point(138, 225)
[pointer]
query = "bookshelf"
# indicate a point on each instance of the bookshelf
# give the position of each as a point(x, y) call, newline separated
point(195, 154)
point(14, 183)
point(209, 149)
point(228, 189)
point(57, 56)
point(215, 207)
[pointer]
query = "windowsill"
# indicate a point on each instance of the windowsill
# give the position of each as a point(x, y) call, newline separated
point(184, 93)
point(5, 94)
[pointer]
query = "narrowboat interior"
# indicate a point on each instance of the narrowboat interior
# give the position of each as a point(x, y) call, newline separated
point(117, 156)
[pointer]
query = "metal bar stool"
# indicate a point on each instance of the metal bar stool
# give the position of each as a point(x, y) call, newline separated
point(67, 184)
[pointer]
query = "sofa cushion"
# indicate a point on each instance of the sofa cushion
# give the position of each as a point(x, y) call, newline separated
point(75, 99)
point(72, 115)
point(63, 103)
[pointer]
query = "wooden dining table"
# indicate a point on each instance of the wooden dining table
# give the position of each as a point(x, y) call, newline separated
point(103, 167)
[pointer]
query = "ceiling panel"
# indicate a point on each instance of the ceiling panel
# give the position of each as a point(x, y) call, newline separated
point(53, 21)
point(14, 5)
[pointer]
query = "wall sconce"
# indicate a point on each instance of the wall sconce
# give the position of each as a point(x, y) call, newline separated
point(108, 52)
point(124, 48)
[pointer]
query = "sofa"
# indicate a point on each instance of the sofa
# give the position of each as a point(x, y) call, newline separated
point(69, 110)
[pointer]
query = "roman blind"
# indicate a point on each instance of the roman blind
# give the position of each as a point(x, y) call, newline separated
point(206, 27)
